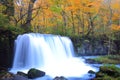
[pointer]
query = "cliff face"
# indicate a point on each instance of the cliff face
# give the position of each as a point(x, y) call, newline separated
point(95, 46)
point(6, 48)
point(88, 48)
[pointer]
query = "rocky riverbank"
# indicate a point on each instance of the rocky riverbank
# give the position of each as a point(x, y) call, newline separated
point(106, 72)
point(32, 74)
point(109, 69)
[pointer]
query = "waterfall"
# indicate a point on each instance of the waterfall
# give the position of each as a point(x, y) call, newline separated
point(53, 54)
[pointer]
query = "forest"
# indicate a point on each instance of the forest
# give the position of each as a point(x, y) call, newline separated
point(78, 19)
point(92, 25)
point(74, 17)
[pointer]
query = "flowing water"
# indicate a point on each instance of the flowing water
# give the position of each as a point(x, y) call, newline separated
point(53, 54)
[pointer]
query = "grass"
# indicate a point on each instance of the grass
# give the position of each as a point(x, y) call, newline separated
point(108, 59)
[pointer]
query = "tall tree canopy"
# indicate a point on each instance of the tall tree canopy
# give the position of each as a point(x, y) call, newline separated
point(76, 17)
point(9, 4)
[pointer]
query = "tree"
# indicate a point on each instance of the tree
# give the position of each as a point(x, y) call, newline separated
point(27, 24)
point(24, 13)
point(9, 4)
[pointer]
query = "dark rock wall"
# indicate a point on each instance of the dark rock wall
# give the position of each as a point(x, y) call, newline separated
point(95, 47)
point(6, 48)
point(88, 48)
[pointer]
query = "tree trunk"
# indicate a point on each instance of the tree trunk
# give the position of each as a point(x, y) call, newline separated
point(73, 25)
point(27, 24)
point(64, 21)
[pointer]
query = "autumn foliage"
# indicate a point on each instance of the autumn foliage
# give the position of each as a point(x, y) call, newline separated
point(68, 17)
point(86, 19)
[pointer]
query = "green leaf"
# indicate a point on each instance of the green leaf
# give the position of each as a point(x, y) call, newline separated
point(56, 9)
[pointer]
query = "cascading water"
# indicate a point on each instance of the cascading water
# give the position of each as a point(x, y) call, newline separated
point(50, 53)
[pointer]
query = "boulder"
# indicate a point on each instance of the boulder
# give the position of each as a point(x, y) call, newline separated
point(35, 73)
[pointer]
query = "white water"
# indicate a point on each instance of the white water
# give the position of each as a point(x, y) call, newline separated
point(50, 53)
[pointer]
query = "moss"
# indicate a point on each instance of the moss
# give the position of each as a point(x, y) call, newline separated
point(108, 72)
point(111, 70)
point(109, 59)
point(106, 77)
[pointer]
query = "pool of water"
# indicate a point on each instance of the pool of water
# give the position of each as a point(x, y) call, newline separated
point(87, 76)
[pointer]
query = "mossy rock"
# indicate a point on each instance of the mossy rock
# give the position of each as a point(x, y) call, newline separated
point(109, 72)
point(100, 74)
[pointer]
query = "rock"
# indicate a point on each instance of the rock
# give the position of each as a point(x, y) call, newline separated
point(5, 75)
point(91, 72)
point(60, 78)
point(99, 74)
point(110, 70)
point(35, 73)
point(91, 61)
point(6, 47)
point(16, 77)
point(108, 73)
point(22, 74)
point(3, 69)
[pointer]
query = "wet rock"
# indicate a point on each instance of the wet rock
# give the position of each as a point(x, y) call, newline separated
point(60, 78)
point(35, 73)
point(91, 72)
point(5, 75)
point(91, 61)
point(22, 74)
point(16, 77)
